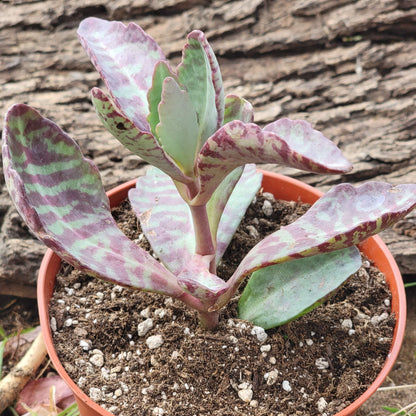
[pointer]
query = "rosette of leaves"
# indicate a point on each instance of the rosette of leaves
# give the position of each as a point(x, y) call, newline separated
point(203, 146)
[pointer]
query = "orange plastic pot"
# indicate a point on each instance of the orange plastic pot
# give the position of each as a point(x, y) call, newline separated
point(283, 188)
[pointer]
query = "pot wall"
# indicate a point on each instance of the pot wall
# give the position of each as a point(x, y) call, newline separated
point(283, 188)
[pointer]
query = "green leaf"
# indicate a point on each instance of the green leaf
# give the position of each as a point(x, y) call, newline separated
point(178, 127)
point(162, 71)
point(195, 75)
point(280, 293)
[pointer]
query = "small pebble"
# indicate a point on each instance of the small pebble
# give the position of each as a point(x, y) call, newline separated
point(267, 208)
point(322, 405)
point(53, 324)
point(271, 377)
point(265, 348)
point(286, 386)
point(321, 363)
point(309, 342)
point(252, 231)
point(144, 327)
point(260, 333)
point(95, 394)
point(97, 360)
point(254, 403)
point(346, 323)
point(154, 341)
point(245, 395)
point(376, 319)
point(85, 344)
point(157, 411)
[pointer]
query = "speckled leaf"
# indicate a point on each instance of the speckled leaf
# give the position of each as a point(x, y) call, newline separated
point(162, 71)
point(195, 75)
point(283, 292)
point(60, 196)
point(165, 219)
point(125, 57)
point(238, 143)
point(229, 203)
point(200, 283)
point(178, 127)
point(237, 108)
point(140, 143)
point(343, 217)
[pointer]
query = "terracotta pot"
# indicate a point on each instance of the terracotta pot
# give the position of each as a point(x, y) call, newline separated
point(284, 188)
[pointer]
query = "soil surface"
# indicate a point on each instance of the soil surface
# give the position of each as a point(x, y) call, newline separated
point(138, 353)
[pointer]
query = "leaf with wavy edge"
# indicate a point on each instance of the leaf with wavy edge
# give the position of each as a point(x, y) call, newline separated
point(196, 76)
point(140, 143)
point(237, 108)
point(229, 203)
point(154, 95)
point(343, 217)
point(59, 194)
point(165, 219)
point(281, 293)
point(238, 143)
point(125, 57)
point(216, 77)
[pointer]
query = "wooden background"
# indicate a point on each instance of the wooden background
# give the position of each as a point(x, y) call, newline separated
point(348, 67)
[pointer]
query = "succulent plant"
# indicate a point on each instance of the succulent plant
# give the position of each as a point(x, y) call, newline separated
point(203, 146)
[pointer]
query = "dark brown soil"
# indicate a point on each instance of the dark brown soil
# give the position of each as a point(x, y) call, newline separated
point(316, 365)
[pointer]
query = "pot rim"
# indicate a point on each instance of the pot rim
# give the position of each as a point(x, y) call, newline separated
point(374, 247)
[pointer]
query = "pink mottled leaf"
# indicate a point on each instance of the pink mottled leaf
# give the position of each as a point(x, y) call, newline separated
point(165, 219)
point(238, 143)
point(125, 57)
point(59, 194)
point(140, 143)
point(343, 217)
point(197, 280)
point(229, 203)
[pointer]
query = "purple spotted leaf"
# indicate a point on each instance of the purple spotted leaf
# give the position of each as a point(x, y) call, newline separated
point(281, 293)
point(200, 75)
point(165, 219)
point(237, 108)
point(59, 194)
point(343, 217)
point(140, 143)
point(238, 143)
point(125, 57)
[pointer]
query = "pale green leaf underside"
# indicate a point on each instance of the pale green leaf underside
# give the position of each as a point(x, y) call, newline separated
point(280, 293)
point(178, 127)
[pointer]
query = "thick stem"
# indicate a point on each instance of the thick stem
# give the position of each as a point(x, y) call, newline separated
point(208, 320)
point(203, 238)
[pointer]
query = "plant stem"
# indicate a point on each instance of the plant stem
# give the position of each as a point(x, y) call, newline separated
point(208, 320)
point(203, 238)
